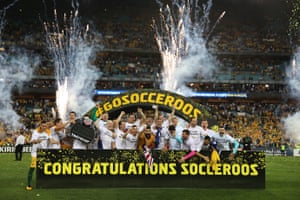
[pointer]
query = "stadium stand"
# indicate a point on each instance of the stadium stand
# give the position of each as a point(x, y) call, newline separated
point(256, 63)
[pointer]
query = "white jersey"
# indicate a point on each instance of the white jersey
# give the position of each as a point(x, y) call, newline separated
point(93, 145)
point(174, 142)
point(141, 128)
point(101, 123)
point(131, 141)
point(162, 135)
point(208, 132)
point(165, 124)
point(196, 136)
point(223, 141)
point(188, 145)
point(129, 125)
point(120, 141)
point(106, 138)
point(20, 140)
point(56, 136)
point(179, 130)
point(77, 144)
point(42, 145)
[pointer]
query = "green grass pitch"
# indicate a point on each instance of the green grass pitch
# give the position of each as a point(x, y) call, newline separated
point(282, 182)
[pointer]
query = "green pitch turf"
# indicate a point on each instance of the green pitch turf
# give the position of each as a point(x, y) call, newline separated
point(282, 182)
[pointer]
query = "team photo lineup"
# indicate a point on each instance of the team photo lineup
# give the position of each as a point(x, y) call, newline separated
point(142, 143)
point(149, 94)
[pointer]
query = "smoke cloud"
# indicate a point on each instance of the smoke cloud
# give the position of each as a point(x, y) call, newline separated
point(71, 51)
point(291, 123)
point(16, 67)
point(292, 126)
point(181, 40)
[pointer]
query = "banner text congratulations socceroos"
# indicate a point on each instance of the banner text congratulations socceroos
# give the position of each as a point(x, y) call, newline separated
point(106, 168)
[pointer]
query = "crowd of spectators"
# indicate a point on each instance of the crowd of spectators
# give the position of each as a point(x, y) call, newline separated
point(124, 30)
point(130, 60)
point(126, 65)
point(247, 39)
point(45, 85)
point(31, 112)
point(263, 121)
point(129, 70)
point(257, 68)
point(119, 29)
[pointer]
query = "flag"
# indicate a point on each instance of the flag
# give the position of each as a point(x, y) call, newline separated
point(94, 114)
point(148, 156)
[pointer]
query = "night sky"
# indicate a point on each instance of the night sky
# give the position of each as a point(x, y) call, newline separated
point(255, 12)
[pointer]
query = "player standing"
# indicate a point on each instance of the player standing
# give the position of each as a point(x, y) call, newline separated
point(39, 140)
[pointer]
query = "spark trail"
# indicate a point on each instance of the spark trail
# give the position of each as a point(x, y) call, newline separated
point(181, 40)
point(2, 17)
point(71, 51)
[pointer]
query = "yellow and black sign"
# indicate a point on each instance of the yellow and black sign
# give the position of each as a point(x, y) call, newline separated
point(141, 168)
point(129, 101)
point(125, 168)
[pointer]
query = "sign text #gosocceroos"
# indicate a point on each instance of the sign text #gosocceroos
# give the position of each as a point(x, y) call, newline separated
point(170, 100)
